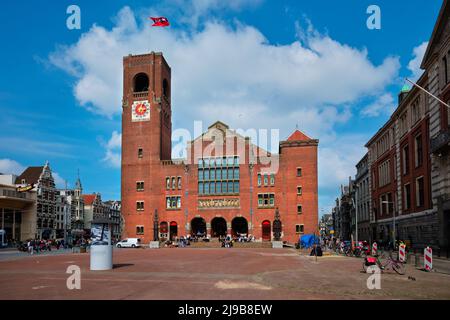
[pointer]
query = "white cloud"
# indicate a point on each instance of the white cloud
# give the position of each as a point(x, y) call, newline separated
point(414, 63)
point(224, 65)
point(336, 164)
point(232, 73)
point(8, 166)
point(112, 150)
point(60, 182)
point(115, 142)
point(384, 104)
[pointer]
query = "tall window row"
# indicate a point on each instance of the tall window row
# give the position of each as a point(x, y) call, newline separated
point(266, 179)
point(173, 183)
point(218, 176)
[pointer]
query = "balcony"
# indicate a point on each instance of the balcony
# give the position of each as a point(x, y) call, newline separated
point(141, 94)
point(440, 142)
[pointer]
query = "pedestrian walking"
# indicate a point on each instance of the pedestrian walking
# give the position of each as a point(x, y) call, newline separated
point(30, 246)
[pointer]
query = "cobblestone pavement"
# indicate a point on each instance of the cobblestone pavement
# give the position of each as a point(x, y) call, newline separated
point(14, 254)
point(185, 273)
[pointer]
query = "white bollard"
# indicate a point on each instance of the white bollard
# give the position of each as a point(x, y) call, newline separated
point(428, 258)
point(374, 249)
point(402, 253)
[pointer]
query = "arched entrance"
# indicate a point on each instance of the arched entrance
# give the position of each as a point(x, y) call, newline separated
point(198, 226)
point(218, 227)
point(173, 230)
point(239, 225)
point(163, 230)
point(266, 230)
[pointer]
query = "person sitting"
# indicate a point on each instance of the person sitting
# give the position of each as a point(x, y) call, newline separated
point(316, 251)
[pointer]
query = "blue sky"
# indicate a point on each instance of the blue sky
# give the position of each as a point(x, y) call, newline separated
point(281, 63)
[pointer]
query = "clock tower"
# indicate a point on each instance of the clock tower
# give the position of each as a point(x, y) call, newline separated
point(146, 134)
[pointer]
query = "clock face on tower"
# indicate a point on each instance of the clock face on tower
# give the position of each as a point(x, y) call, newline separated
point(140, 111)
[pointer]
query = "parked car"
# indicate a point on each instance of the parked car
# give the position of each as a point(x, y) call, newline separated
point(129, 243)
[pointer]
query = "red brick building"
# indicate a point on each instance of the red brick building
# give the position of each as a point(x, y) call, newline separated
point(400, 180)
point(226, 184)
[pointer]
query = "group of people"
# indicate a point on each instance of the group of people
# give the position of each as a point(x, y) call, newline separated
point(39, 245)
point(245, 238)
point(340, 246)
point(181, 242)
point(227, 241)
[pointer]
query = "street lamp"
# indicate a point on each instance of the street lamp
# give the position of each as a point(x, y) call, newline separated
point(393, 220)
point(355, 205)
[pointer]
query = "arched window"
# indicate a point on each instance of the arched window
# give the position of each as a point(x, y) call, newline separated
point(166, 88)
point(140, 83)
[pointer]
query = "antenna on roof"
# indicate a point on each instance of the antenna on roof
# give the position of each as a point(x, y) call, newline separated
point(296, 126)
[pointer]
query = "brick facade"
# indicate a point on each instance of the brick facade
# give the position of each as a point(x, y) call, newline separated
point(404, 142)
point(150, 176)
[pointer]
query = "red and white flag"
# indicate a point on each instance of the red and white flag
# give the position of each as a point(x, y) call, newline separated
point(160, 22)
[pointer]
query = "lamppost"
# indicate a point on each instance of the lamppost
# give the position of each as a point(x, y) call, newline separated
point(251, 196)
point(155, 226)
point(393, 220)
point(277, 228)
point(355, 205)
point(186, 172)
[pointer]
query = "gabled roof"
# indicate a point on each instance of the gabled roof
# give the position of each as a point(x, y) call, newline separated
point(297, 135)
point(88, 198)
point(441, 22)
point(31, 175)
point(219, 125)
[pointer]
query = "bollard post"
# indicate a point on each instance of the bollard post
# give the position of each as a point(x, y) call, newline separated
point(428, 258)
point(416, 258)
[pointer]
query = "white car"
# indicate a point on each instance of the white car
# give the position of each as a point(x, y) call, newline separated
point(129, 243)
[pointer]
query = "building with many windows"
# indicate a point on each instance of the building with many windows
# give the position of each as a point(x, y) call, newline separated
point(409, 156)
point(436, 66)
point(343, 212)
point(64, 211)
point(93, 209)
point(43, 183)
point(400, 183)
point(112, 211)
point(17, 210)
point(226, 184)
point(361, 201)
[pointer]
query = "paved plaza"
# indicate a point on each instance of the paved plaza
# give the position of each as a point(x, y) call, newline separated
point(213, 273)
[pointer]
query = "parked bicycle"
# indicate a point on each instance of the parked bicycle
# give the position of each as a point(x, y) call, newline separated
point(385, 264)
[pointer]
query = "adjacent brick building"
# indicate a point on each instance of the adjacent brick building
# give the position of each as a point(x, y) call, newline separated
point(436, 64)
point(226, 184)
point(400, 181)
point(409, 156)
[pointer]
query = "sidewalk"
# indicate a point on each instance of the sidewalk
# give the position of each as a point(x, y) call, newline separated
point(441, 265)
